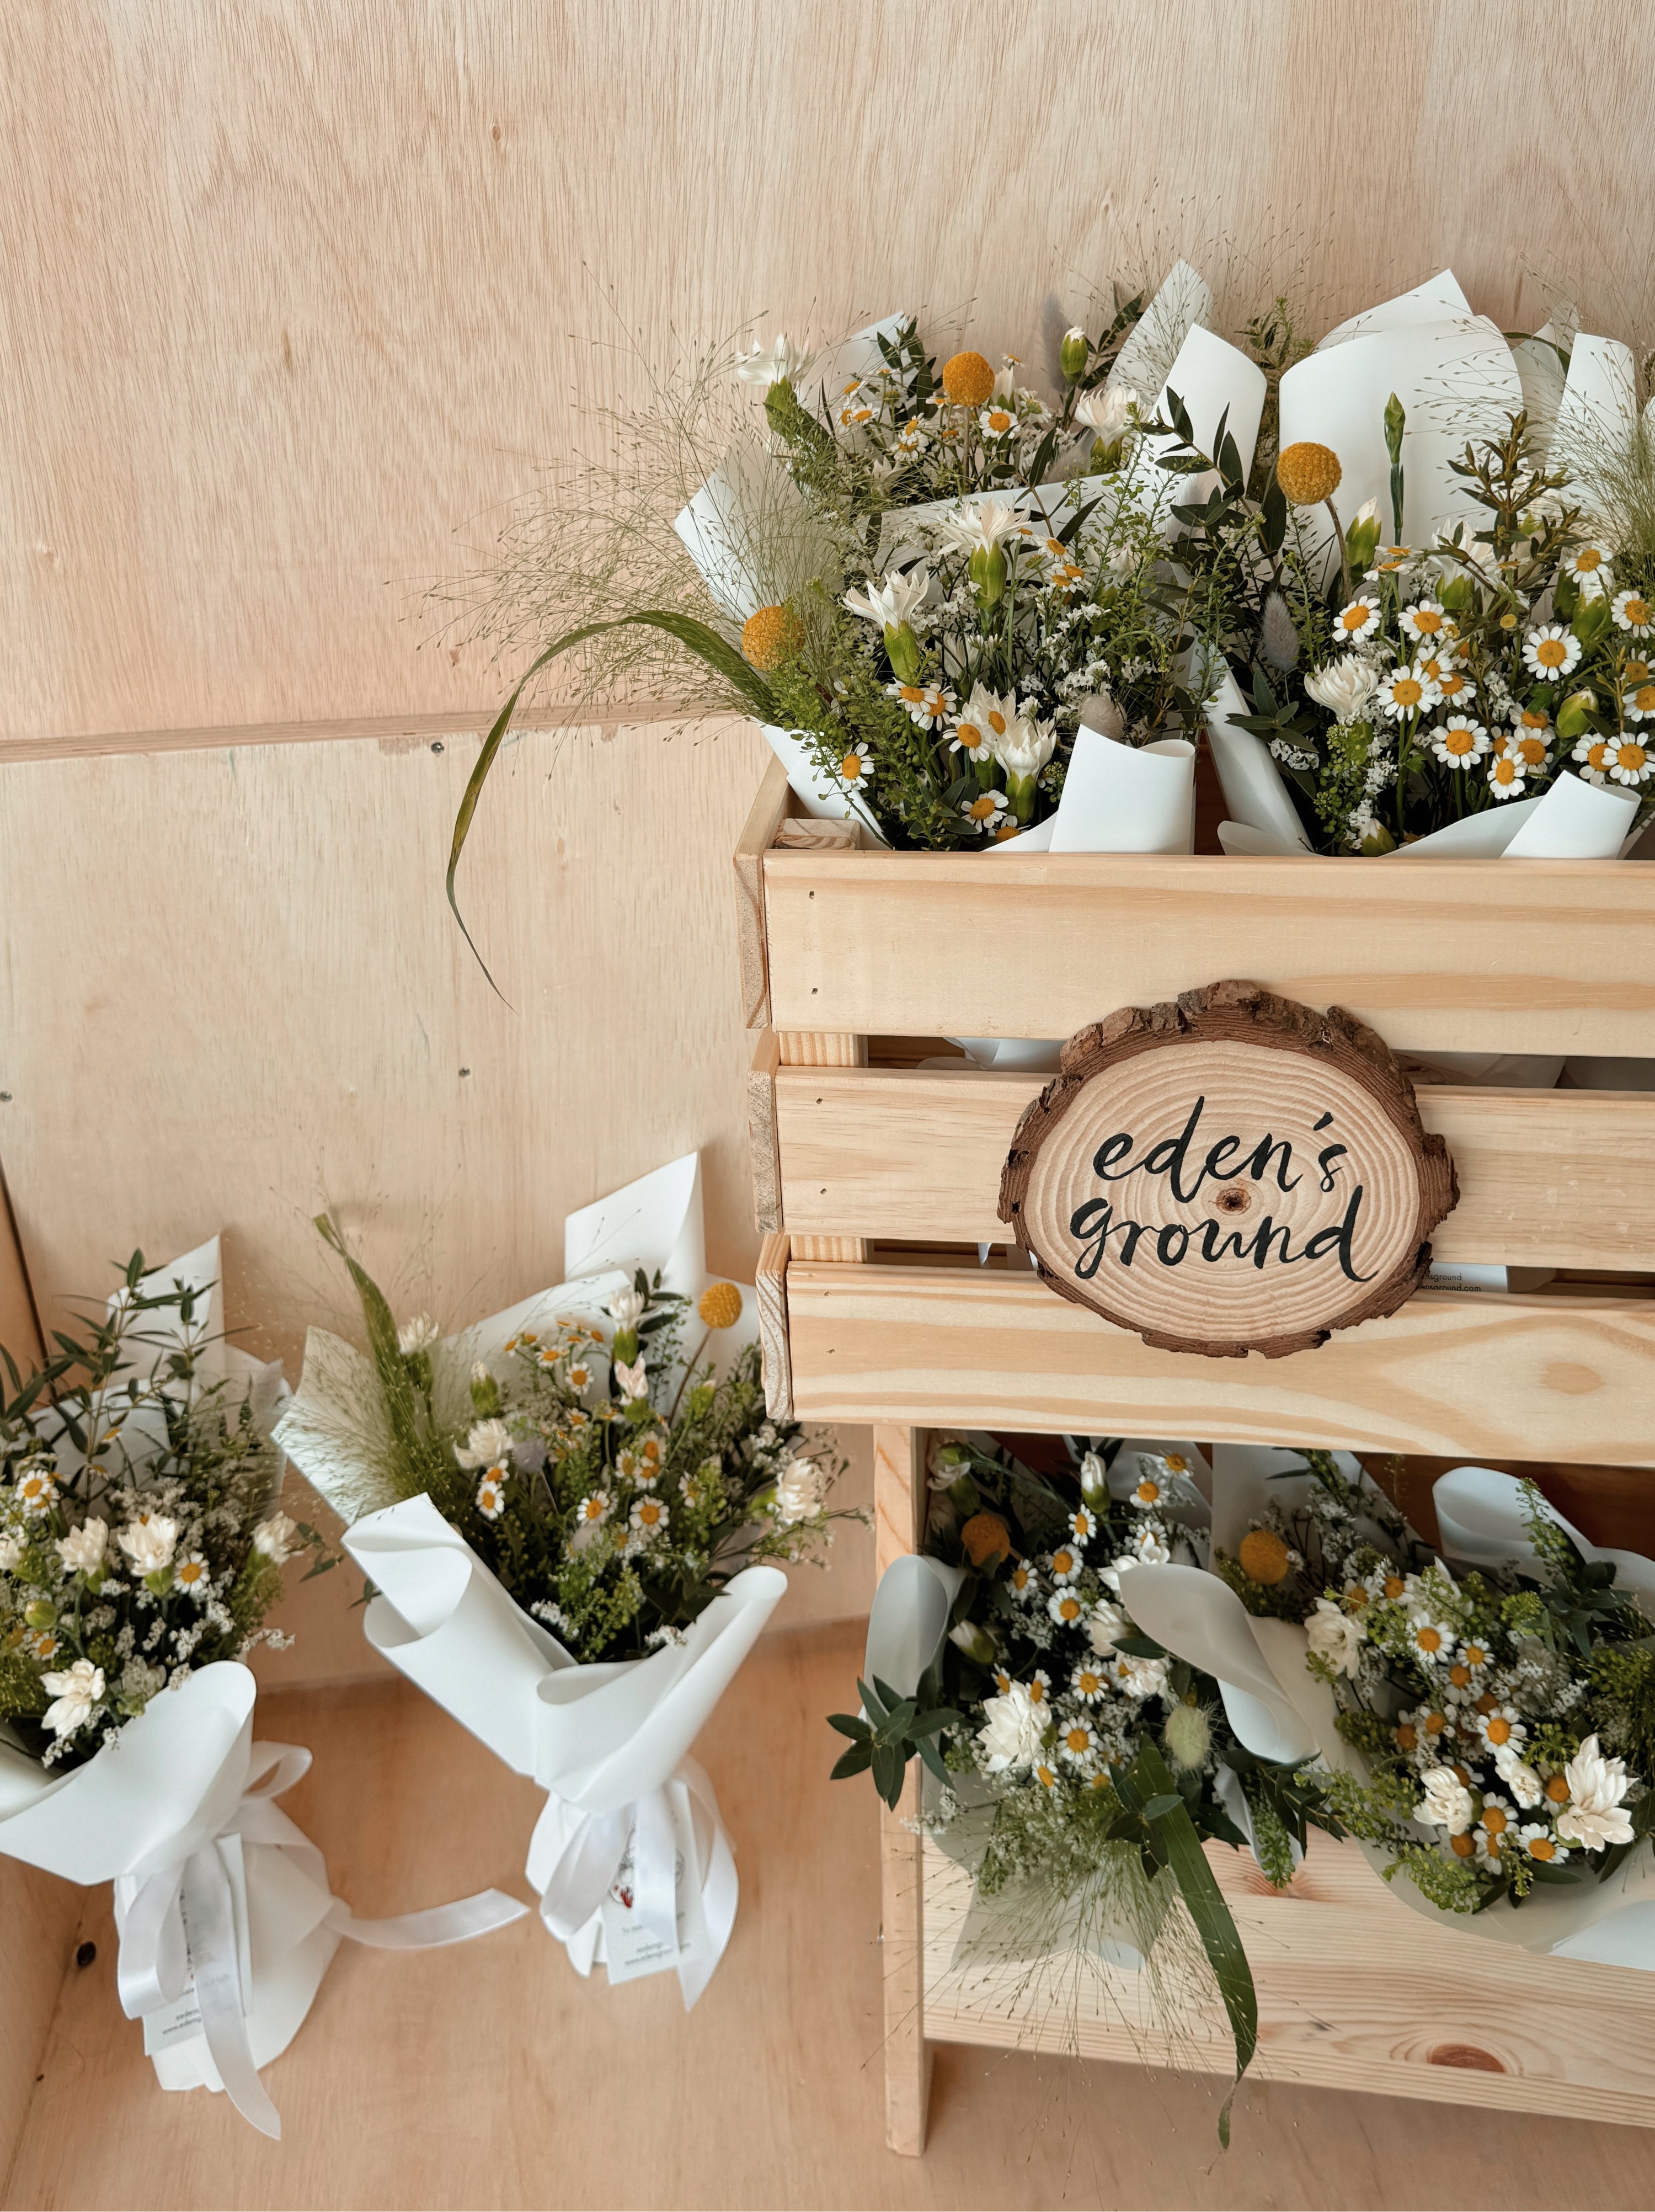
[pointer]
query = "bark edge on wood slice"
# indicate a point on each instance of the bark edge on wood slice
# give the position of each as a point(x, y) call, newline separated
point(1345, 1051)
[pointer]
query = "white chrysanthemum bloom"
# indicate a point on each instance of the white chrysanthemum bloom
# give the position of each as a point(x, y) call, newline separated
point(36, 1490)
point(1139, 1678)
point(1632, 611)
point(893, 602)
point(193, 1575)
point(626, 1308)
point(1026, 747)
point(800, 1491)
point(273, 1537)
point(1105, 1625)
point(1343, 687)
point(1551, 653)
point(149, 1542)
point(632, 1381)
point(1358, 619)
point(984, 721)
point(1068, 1610)
point(83, 1549)
point(1407, 690)
point(1108, 413)
point(75, 1694)
point(1460, 742)
point(1013, 1728)
point(1337, 1636)
point(1446, 1802)
point(778, 362)
point(418, 1335)
point(488, 1441)
point(1595, 1815)
point(1507, 773)
point(13, 1545)
point(977, 526)
point(1518, 1776)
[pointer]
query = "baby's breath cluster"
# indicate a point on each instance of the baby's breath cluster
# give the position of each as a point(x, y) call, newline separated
point(139, 1533)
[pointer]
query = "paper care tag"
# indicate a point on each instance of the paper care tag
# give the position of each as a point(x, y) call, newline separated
point(630, 1948)
point(181, 2023)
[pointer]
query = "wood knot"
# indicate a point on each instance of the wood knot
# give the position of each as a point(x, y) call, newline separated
point(1234, 1198)
point(1465, 2055)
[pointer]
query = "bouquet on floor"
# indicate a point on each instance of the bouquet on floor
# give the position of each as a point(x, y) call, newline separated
point(1486, 1709)
point(572, 1515)
point(1448, 616)
point(141, 1545)
point(1078, 1760)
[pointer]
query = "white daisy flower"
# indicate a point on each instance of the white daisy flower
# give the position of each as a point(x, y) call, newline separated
point(1507, 772)
point(996, 421)
point(856, 766)
point(1551, 653)
point(1630, 762)
point(36, 1490)
point(1500, 1728)
point(1089, 1683)
point(1425, 622)
point(1065, 1564)
point(1077, 1741)
point(1025, 1584)
point(988, 811)
point(1639, 703)
point(1431, 1640)
point(855, 412)
point(929, 705)
point(984, 721)
point(1633, 612)
point(1459, 742)
point(1493, 1832)
point(649, 1518)
point(193, 1575)
point(1540, 1843)
point(1039, 1689)
point(1407, 690)
point(1529, 744)
point(1068, 1610)
point(592, 1513)
point(1454, 685)
point(1357, 621)
point(1589, 565)
point(491, 1494)
point(579, 1374)
point(1082, 1525)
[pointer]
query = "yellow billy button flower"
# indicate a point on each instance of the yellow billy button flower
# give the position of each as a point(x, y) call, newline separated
point(720, 1305)
point(1263, 1557)
point(967, 381)
point(769, 635)
point(1308, 473)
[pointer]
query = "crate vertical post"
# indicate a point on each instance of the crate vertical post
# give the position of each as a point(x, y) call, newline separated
point(898, 1528)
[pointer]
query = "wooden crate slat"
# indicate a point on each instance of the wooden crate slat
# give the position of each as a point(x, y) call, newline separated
point(1355, 1991)
point(1547, 1178)
point(1534, 1377)
point(768, 811)
point(1497, 955)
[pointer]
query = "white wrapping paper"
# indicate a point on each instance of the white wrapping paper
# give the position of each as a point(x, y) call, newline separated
point(749, 532)
point(225, 1919)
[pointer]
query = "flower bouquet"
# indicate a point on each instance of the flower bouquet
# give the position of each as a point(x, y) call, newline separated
point(141, 1547)
point(1488, 1733)
point(1077, 1762)
point(570, 1513)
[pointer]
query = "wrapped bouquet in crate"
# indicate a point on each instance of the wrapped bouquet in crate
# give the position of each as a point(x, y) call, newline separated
point(142, 1544)
point(572, 1515)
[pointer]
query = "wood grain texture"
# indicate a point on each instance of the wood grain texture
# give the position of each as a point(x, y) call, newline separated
point(39, 1916)
point(1260, 1067)
point(272, 371)
point(770, 1284)
point(1548, 1178)
point(765, 818)
point(245, 1001)
point(811, 1048)
point(19, 1327)
point(1355, 1992)
point(900, 1500)
point(1563, 1378)
point(764, 1159)
point(1465, 955)
point(487, 2074)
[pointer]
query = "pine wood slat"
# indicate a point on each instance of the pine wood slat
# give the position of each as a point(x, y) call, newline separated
point(1355, 1991)
point(1445, 955)
point(899, 1526)
point(1547, 1178)
point(1564, 1378)
point(769, 810)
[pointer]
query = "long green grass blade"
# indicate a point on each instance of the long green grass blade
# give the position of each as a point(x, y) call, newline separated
point(717, 653)
point(1211, 1915)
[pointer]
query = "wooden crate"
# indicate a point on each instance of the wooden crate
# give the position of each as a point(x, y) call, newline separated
point(874, 1181)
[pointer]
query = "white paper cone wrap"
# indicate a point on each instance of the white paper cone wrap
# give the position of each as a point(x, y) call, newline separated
point(1480, 1516)
point(610, 1742)
point(1126, 799)
point(178, 1811)
point(1252, 782)
point(1201, 1620)
point(908, 1619)
point(749, 532)
point(1216, 382)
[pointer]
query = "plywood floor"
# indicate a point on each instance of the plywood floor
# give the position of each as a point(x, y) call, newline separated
point(491, 2076)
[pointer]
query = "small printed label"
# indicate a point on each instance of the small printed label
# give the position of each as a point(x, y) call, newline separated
point(632, 1949)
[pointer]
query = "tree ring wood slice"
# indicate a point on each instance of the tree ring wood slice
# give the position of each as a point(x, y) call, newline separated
point(1231, 1172)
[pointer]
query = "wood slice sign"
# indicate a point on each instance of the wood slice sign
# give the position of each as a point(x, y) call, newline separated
point(1231, 1173)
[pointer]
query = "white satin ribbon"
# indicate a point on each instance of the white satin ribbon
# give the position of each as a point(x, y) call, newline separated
point(180, 1927)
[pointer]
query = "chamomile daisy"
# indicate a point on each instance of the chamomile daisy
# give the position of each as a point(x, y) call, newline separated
point(1407, 690)
point(1540, 1843)
point(1025, 1583)
point(1507, 772)
point(1077, 1741)
point(1082, 1524)
point(1424, 621)
point(1589, 565)
point(1066, 1608)
point(648, 1518)
point(1500, 1726)
point(192, 1575)
point(988, 811)
point(929, 705)
point(1552, 651)
point(36, 1490)
point(1639, 703)
point(1430, 1638)
point(1088, 1683)
point(1455, 686)
point(491, 1494)
point(1065, 1564)
point(996, 421)
point(856, 767)
point(1360, 619)
point(1531, 748)
point(1460, 742)
point(1593, 756)
point(1633, 612)
point(594, 1509)
point(1630, 762)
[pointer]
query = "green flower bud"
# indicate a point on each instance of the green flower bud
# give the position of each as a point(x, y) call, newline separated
point(624, 1350)
point(40, 1614)
point(1094, 1484)
point(988, 575)
point(485, 1392)
point(903, 648)
point(964, 1496)
point(1020, 794)
point(700, 1400)
point(1074, 355)
point(971, 1637)
point(1574, 716)
point(1590, 620)
point(1379, 840)
point(1396, 420)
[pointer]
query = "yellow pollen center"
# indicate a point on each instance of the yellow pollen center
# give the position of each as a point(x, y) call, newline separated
point(1424, 620)
point(1636, 611)
point(1429, 1639)
point(1078, 1738)
point(1543, 1848)
point(1500, 1730)
point(1552, 652)
point(1629, 756)
point(1407, 692)
point(1494, 1820)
